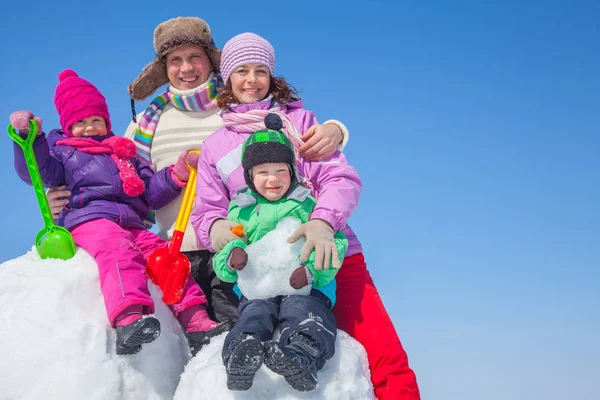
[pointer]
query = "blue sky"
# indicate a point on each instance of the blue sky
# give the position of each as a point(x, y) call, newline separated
point(475, 126)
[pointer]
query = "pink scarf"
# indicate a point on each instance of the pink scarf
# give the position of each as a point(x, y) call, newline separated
point(121, 151)
point(254, 120)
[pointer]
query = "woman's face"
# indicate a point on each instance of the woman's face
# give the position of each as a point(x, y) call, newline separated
point(92, 126)
point(188, 66)
point(250, 83)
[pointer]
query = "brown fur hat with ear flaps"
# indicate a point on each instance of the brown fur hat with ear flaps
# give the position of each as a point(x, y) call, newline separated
point(168, 36)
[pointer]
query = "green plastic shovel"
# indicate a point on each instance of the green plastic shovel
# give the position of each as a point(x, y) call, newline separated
point(53, 241)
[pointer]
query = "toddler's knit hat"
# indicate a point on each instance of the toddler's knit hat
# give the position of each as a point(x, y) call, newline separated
point(269, 145)
point(77, 99)
point(246, 48)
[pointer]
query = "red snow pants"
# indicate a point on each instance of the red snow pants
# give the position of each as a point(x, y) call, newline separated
point(360, 312)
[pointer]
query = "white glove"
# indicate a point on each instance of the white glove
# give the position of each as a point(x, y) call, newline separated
point(319, 236)
point(220, 234)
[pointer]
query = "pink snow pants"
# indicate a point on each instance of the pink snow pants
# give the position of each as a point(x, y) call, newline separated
point(121, 254)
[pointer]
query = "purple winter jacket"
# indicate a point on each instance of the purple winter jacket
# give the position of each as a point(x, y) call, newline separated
point(94, 182)
point(336, 185)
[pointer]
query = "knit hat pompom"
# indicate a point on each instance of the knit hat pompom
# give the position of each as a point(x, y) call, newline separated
point(125, 148)
point(273, 121)
point(77, 99)
point(66, 74)
point(133, 186)
point(246, 48)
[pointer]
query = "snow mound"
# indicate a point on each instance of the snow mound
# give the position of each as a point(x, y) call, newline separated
point(345, 376)
point(56, 343)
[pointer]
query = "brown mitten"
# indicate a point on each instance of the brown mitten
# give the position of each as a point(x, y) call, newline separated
point(238, 258)
point(300, 278)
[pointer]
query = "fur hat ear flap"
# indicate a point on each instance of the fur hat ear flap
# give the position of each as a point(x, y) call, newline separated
point(152, 77)
point(168, 36)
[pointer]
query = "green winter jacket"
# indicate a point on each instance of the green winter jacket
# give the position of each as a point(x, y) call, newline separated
point(259, 216)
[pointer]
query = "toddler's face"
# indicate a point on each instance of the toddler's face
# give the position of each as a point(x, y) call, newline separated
point(92, 126)
point(272, 180)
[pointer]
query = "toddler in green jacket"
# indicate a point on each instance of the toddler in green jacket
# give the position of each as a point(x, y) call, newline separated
point(307, 325)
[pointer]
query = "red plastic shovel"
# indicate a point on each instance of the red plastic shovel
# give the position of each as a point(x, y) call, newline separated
point(168, 267)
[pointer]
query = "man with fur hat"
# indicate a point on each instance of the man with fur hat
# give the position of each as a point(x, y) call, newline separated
point(179, 119)
point(307, 325)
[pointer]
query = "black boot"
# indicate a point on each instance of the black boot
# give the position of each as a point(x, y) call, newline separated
point(131, 337)
point(196, 340)
point(298, 361)
point(242, 359)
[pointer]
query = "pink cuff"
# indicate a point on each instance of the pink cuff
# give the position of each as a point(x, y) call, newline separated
point(179, 183)
point(329, 218)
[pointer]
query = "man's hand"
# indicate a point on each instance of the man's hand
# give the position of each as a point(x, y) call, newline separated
point(57, 199)
point(321, 141)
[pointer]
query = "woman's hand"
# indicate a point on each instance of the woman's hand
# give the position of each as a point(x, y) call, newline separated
point(319, 236)
point(57, 199)
point(220, 234)
point(321, 141)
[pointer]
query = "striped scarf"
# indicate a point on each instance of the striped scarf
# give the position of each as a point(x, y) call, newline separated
point(203, 98)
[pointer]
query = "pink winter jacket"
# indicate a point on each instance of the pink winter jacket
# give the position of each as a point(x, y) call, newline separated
point(336, 185)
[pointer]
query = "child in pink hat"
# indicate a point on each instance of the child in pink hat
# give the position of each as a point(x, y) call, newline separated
point(112, 191)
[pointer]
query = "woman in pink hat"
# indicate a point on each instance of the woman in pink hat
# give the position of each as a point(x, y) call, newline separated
point(251, 92)
point(111, 190)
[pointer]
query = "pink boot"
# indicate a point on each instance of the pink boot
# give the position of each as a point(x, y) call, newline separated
point(129, 315)
point(196, 319)
point(133, 330)
point(199, 328)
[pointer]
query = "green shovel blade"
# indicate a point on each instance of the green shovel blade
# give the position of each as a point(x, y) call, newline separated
point(55, 242)
point(52, 241)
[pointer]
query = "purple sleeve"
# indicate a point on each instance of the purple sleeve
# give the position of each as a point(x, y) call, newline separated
point(212, 197)
point(51, 169)
point(160, 187)
point(336, 185)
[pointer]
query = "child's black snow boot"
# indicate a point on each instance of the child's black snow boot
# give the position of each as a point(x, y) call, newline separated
point(298, 361)
point(131, 337)
point(242, 359)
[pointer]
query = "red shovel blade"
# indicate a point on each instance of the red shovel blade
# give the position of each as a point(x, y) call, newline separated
point(169, 272)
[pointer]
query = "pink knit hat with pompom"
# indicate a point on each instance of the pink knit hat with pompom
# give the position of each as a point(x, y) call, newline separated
point(246, 48)
point(77, 99)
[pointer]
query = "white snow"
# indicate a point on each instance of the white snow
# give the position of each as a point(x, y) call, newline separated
point(271, 261)
point(56, 343)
